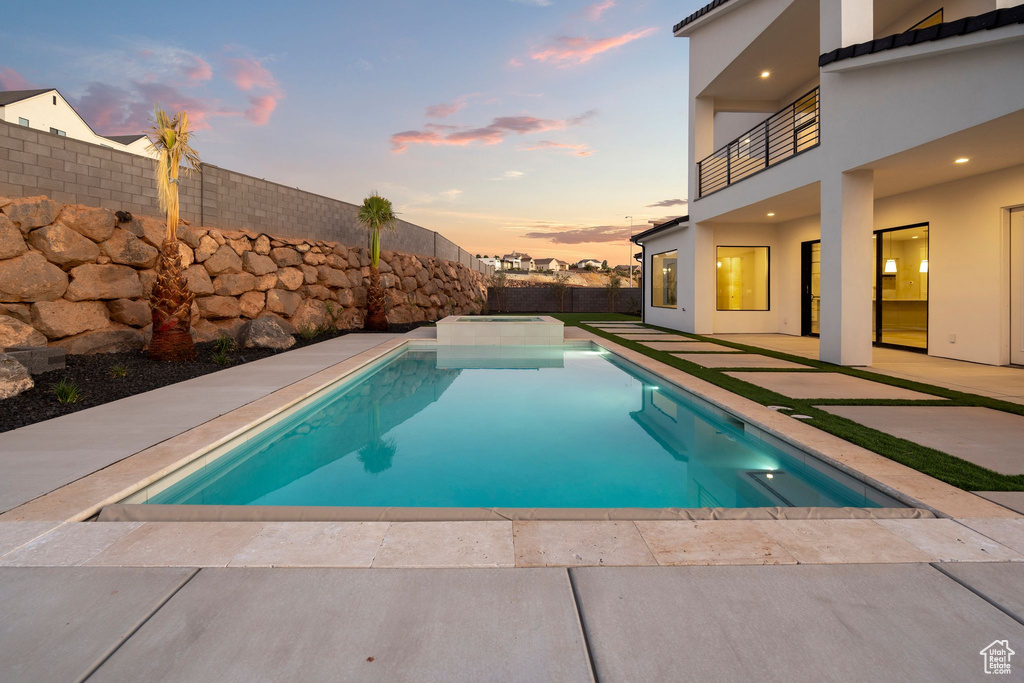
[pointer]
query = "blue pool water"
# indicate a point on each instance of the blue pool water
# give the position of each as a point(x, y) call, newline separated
point(509, 427)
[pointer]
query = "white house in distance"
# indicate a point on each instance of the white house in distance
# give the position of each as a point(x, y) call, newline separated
point(588, 263)
point(856, 171)
point(492, 261)
point(551, 264)
point(48, 111)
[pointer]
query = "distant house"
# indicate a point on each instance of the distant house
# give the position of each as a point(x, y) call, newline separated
point(492, 261)
point(588, 263)
point(48, 111)
point(549, 264)
point(528, 263)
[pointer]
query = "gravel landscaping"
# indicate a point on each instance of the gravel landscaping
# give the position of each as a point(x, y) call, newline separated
point(106, 377)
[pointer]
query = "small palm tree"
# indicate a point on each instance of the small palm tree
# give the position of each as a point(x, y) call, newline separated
point(171, 300)
point(376, 214)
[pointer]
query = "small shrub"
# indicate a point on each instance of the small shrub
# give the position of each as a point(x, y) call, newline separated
point(67, 391)
point(222, 358)
point(118, 370)
point(225, 344)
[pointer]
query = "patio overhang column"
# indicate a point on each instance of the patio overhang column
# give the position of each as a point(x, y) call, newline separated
point(847, 220)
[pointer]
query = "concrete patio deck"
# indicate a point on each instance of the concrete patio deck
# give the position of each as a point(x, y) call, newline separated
point(823, 623)
point(1004, 383)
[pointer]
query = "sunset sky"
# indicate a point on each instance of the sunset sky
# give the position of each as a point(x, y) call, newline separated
point(535, 125)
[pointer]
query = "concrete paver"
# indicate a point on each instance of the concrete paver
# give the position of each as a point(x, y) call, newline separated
point(446, 544)
point(69, 545)
point(841, 541)
point(182, 544)
point(986, 437)
point(59, 622)
point(828, 385)
point(738, 360)
point(1008, 531)
point(602, 543)
point(356, 624)
point(715, 542)
point(808, 623)
point(1013, 500)
point(16, 534)
point(948, 541)
point(1002, 583)
point(690, 346)
point(1004, 383)
point(313, 544)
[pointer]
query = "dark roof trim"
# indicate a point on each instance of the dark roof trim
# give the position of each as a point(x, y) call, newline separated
point(989, 20)
point(124, 139)
point(12, 96)
point(658, 228)
point(698, 14)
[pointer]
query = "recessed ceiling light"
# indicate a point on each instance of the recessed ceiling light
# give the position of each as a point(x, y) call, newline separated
point(766, 74)
point(771, 213)
point(961, 160)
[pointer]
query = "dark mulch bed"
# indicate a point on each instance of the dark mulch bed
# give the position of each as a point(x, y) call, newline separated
point(95, 378)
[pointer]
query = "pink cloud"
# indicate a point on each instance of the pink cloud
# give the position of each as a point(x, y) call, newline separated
point(111, 110)
point(593, 12)
point(513, 62)
point(436, 135)
point(196, 70)
point(12, 80)
point(445, 109)
point(260, 108)
point(578, 150)
point(247, 73)
point(573, 51)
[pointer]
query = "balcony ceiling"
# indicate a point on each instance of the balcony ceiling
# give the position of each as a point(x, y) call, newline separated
point(990, 147)
point(788, 49)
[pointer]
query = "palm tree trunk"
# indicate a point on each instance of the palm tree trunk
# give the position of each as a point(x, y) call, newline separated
point(376, 315)
point(171, 304)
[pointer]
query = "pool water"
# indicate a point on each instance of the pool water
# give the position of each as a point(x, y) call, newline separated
point(522, 427)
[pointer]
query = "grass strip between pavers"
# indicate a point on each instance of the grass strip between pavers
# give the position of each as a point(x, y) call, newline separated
point(943, 466)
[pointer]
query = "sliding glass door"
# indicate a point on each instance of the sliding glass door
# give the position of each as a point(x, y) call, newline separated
point(900, 292)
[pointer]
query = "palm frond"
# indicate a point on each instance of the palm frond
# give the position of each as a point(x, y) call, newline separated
point(169, 139)
point(377, 214)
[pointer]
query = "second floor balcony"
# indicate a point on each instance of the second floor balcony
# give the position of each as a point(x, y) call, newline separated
point(781, 136)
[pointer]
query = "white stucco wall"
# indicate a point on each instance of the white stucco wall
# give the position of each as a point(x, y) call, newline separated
point(43, 114)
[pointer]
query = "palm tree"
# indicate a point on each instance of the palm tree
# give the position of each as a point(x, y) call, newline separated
point(376, 214)
point(171, 300)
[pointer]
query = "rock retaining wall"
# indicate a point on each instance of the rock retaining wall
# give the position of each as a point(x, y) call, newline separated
point(77, 277)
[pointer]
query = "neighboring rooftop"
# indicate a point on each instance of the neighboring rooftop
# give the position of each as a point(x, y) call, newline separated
point(12, 96)
point(958, 27)
point(124, 139)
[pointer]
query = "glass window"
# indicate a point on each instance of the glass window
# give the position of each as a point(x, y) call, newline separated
point(742, 278)
point(22, 121)
point(56, 131)
point(664, 273)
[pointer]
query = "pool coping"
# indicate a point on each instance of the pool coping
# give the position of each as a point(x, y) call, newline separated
point(85, 498)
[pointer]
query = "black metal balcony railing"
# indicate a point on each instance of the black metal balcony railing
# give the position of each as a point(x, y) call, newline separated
point(779, 137)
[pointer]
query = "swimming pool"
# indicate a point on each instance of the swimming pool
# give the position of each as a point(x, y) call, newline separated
point(509, 427)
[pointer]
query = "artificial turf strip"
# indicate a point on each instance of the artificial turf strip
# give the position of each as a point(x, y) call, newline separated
point(943, 466)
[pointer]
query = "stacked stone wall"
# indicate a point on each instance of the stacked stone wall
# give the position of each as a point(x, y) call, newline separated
point(79, 277)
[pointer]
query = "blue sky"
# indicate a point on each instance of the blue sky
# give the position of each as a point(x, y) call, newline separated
point(504, 124)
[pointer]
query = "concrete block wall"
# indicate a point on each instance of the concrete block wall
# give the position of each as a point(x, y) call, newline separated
point(34, 162)
point(577, 300)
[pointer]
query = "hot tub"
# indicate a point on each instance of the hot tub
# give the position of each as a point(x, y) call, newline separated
point(499, 330)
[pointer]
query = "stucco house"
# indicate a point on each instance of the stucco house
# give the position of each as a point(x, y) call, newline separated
point(48, 111)
point(856, 171)
point(552, 264)
point(588, 263)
